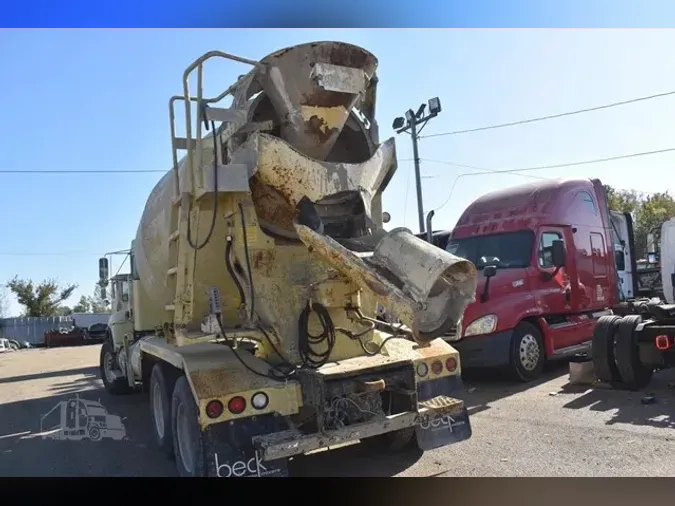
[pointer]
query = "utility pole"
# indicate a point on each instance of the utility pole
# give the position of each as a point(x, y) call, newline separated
point(409, 123)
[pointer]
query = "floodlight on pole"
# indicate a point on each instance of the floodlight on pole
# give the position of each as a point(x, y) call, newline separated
point(409, 122)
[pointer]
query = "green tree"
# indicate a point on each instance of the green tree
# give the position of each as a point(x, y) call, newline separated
point(83, 305)
point(63, 311)
point(41, 299)
point(98, 303)
point(92, 303)
point(625, 201)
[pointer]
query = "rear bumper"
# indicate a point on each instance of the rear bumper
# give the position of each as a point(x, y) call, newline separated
point(260, 446)
point(492, 350)
point(289, 443)
point(441, 419)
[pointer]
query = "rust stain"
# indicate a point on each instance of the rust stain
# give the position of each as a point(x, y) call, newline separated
point(272, 205)
point(263, 261)
point(318, 128)
point(212, 383)
point(433, 350)
point(347, 267)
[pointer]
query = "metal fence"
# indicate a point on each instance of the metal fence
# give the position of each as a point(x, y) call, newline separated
point(32, 330)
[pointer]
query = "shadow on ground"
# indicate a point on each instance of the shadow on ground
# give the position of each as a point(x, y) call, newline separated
point(651, 406)
point(484, 386)
point(26, 448)
point(27, 451)
point(86, 371)
point(353, 461)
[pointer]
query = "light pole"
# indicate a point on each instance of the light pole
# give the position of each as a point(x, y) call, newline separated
point(409, 122)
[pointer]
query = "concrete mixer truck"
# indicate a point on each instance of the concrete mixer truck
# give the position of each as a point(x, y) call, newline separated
point(249, 312)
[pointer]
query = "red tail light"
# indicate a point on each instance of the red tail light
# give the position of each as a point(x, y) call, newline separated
point(237, 405)
point(662, 342)
point(437, 367)
point(214, 409)
point(451, 364)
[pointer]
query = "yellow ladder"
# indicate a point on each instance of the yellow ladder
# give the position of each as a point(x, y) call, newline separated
point(186, 201)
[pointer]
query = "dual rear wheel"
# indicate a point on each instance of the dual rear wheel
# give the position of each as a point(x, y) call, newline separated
point(175, 415)
point(616, 353)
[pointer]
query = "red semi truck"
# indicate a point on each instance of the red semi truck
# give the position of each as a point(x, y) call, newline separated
point(554, 259)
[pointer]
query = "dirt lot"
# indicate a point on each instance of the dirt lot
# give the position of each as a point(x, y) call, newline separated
point(545, 429)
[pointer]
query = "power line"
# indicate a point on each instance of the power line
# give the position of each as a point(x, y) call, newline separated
point(552, 116)
point(583, 162)
point(453, 164)
point(556, 166)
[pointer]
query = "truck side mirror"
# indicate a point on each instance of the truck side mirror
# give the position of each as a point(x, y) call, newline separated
point(620, 260)
point(558, 253)
point(103, 271)
point(489, 271)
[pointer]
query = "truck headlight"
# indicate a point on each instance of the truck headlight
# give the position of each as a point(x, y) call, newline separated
point(483, 325)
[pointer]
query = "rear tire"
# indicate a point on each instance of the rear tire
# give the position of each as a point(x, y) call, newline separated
point(634, 374)
point(161, 388)
point(527, 353)
point(602, 349)
point(187, 436)
point(94, 433)
point(115, 385)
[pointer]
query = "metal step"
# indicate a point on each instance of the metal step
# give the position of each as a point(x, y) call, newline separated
point(182, 143)
point(442, 404)
point(222, 115)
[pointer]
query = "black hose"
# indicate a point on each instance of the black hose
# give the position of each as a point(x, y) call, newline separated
point(248, 257)
point(233, 275)
point(275, 373)
point(307, 342)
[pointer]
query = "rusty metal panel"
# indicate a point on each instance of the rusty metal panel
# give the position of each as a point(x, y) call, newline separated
point(339, 79)
point(313, 117)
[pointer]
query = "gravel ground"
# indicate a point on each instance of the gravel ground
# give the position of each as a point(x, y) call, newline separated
point(545, 429)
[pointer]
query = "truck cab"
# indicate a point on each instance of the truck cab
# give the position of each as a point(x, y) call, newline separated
point(547, 256)
point(120, 322)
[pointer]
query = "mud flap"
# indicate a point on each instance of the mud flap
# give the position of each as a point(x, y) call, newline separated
point(229, 453)
point(445, 428)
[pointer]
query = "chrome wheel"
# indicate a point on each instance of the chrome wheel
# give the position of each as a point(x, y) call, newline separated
point(158, 409)
point(529, 352)
point(185, 445)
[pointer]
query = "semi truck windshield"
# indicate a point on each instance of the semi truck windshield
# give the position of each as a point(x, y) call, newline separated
point(514, 249)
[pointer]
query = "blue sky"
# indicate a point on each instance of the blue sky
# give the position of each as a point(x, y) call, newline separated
point(98, 100)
